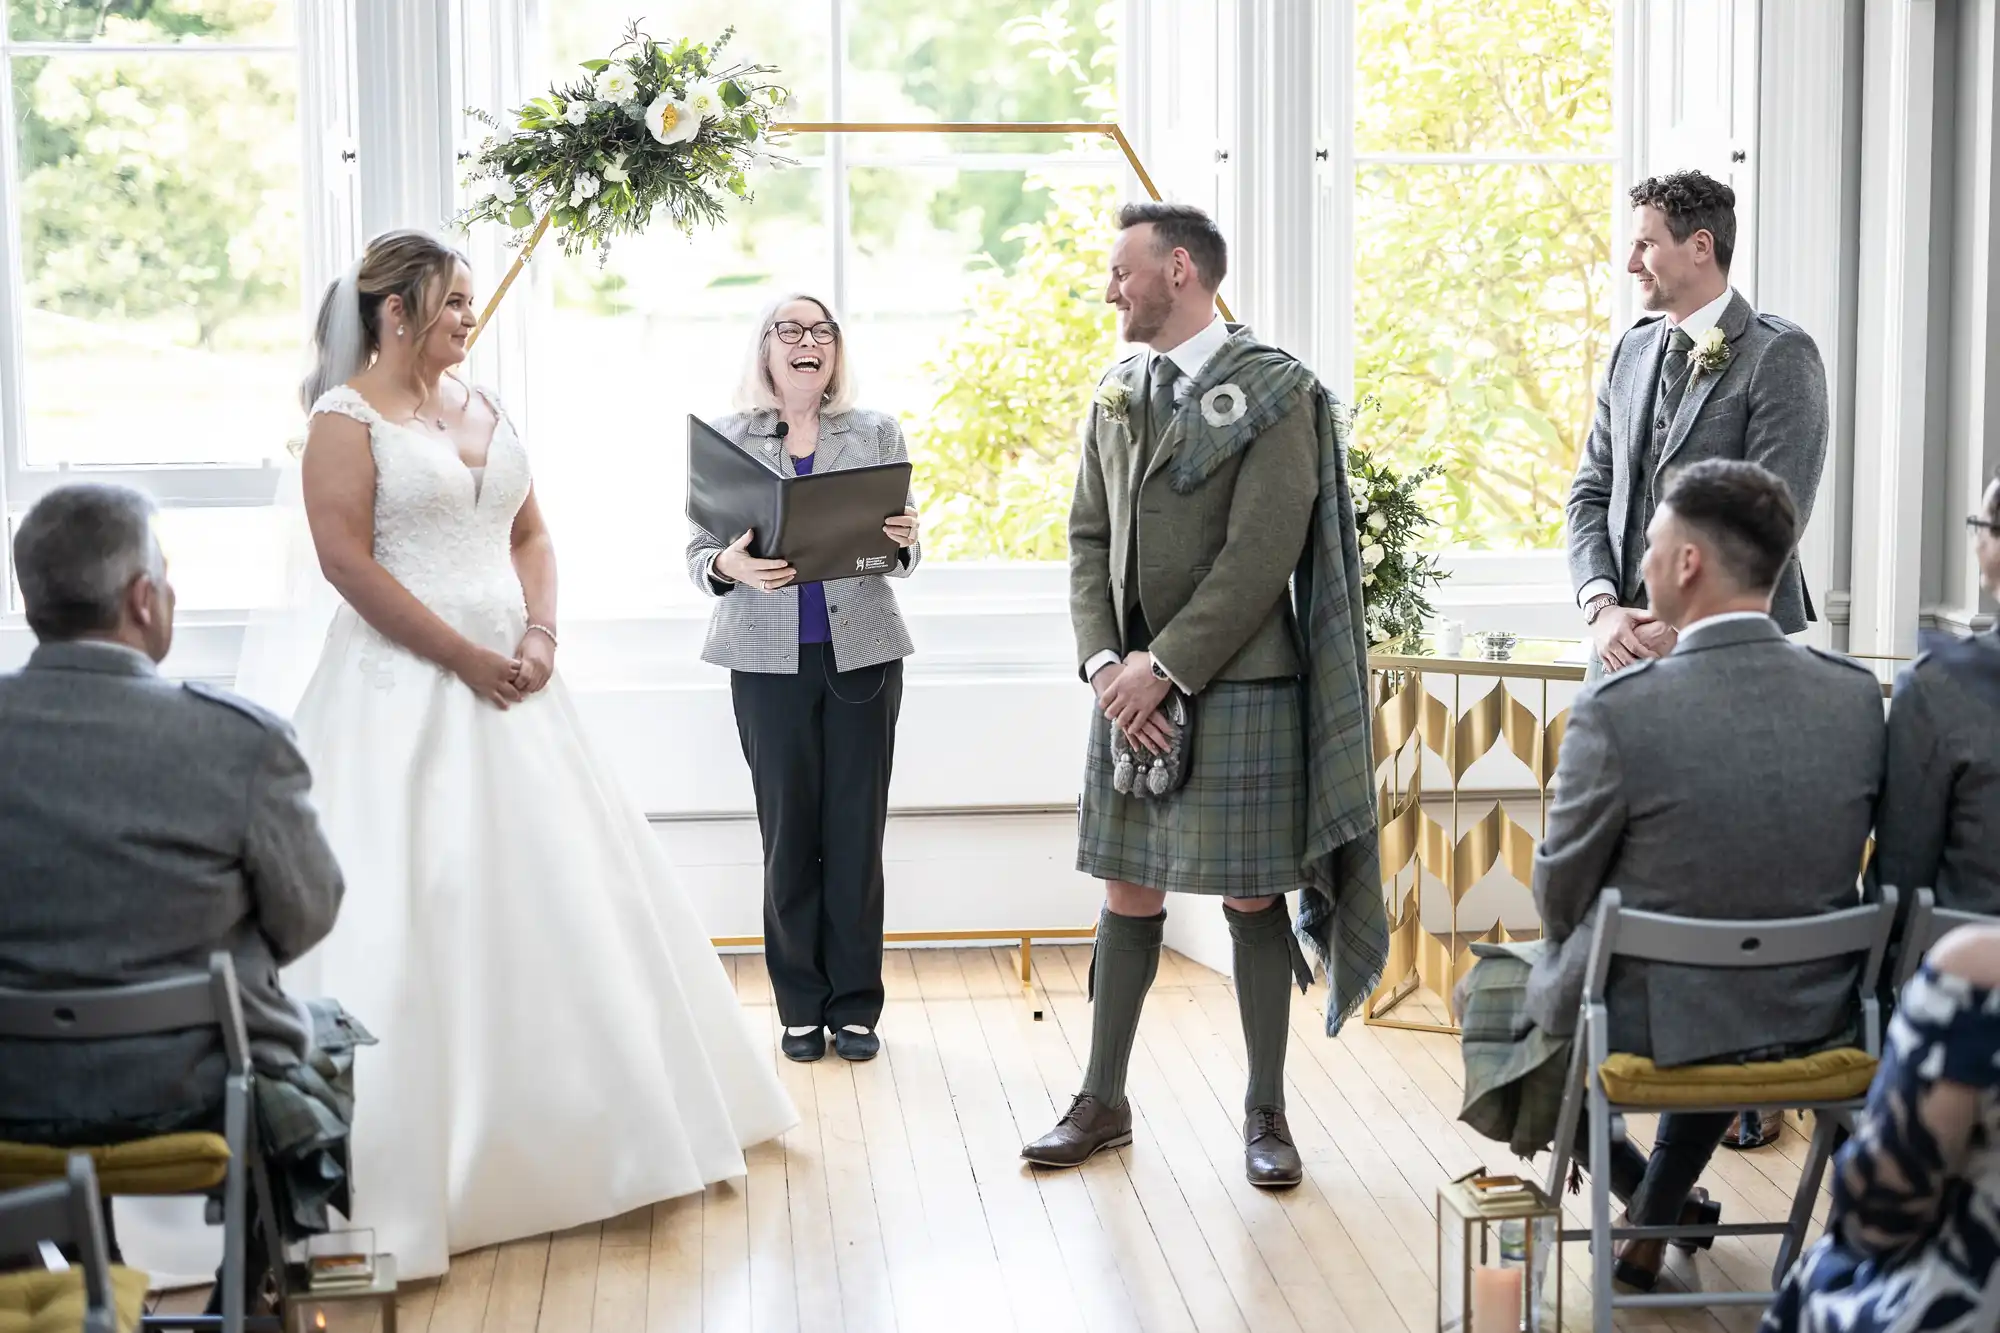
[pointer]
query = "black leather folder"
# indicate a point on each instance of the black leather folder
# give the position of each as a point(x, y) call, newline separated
point(825, 525)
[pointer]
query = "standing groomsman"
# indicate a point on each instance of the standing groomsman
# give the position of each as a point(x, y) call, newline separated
point(1703, 375)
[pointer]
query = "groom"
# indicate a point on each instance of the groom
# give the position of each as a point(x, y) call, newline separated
point(1213, 470)
point(1703, 375)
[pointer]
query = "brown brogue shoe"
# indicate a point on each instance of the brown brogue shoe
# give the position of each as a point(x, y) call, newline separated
point(1086, 1129)
point(1269, 1159)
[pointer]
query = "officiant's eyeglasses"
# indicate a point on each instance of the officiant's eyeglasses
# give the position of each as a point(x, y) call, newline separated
point(823, 333)
point(1980, 523)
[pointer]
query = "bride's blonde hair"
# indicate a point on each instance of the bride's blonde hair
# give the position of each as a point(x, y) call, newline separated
point(754, 390)
point(347, 334)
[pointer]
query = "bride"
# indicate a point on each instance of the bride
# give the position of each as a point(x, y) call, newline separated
point(558, 1041)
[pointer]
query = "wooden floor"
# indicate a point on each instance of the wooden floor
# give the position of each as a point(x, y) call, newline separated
point(900, 1202)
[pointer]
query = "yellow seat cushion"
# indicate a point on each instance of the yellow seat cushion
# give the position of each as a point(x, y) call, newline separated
point(169, 1164)
point(1827, 1076)
point(38, 1302)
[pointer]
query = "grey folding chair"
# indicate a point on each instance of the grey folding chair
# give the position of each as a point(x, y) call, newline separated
point(1651, 936)
point(66, 1212)
point(1929, 923)
point(199, 1000)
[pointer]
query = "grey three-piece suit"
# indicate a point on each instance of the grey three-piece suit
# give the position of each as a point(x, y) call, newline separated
point(145, 824)
point(1768, 405)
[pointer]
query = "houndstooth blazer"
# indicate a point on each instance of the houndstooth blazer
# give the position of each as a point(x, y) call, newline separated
point(752, 630)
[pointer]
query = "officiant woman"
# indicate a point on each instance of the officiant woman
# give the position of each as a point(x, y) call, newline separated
point(816, 678)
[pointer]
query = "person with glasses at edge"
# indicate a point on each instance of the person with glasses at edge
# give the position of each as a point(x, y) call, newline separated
point(1938, 826)
point(816, 680)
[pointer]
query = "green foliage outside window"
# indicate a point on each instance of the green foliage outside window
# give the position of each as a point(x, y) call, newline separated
point(153, 187)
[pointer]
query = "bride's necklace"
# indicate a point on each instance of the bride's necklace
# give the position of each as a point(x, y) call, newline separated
point(417, 415)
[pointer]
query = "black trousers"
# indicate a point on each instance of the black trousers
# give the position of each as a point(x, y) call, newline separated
point(1654, 1187)
point(820, 745)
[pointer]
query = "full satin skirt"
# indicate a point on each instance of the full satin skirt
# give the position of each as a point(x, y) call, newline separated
point(558, 1041)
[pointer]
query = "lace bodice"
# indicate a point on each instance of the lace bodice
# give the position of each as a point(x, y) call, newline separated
point(442, 531)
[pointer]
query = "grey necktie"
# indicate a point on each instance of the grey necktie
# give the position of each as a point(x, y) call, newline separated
point(1673, 382)
point(1160, 409)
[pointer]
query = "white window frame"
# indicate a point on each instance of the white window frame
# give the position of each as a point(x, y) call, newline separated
point(1532, 575)
point(171, 485)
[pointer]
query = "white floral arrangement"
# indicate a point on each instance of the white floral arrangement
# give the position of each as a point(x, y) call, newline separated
point(1114, 400)
point(656, 126)
point(1391, 520)
point(1711, 352)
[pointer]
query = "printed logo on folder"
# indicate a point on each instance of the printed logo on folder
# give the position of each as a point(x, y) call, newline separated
point(868, 564)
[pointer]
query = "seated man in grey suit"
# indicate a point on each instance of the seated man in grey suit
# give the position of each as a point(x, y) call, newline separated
point(144, 824)
point(1734, 777)
point(1939, 825)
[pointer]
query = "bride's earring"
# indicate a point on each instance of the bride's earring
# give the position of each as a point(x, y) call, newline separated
point(399, 330)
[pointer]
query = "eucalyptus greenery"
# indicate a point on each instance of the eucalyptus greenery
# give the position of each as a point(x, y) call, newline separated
point(655, 127)
point(1393, 521)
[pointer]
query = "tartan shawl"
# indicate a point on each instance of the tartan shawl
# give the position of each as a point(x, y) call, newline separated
point(1341, 916)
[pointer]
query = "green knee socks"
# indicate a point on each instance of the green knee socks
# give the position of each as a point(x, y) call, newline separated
point(1263, 958)
point(1122, 969)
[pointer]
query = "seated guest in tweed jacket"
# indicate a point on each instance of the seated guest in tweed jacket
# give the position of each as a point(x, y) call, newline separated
point(816, 677)
point(144, 825)
point(1213, 470)
point(1939, 824)
point(1734, 777)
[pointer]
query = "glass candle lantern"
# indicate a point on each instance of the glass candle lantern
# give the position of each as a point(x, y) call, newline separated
point(1498, 1270)
point(341, 1269)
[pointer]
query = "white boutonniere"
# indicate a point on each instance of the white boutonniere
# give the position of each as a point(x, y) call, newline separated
point(1224, 405)
point(1711, 352)
point(1113, 399)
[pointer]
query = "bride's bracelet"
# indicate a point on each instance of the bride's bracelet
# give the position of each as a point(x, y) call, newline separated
point(544, 630)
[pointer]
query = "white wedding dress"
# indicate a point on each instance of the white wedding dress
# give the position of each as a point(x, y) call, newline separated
point(558, 1041)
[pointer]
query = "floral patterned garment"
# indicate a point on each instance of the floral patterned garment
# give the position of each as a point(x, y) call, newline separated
point(1913, 1240)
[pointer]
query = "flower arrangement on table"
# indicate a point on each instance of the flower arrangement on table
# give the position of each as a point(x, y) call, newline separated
point(655, 127)
point(1391, 520)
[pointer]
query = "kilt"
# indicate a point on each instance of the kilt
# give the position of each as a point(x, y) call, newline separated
point(1236, 829)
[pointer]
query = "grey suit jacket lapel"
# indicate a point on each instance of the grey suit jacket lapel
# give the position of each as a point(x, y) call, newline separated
point(1120, 448)
point(1639, 408)
point(1735, 320)
point(834, 433)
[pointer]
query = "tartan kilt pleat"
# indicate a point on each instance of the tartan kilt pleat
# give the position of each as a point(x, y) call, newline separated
point(1236, 829)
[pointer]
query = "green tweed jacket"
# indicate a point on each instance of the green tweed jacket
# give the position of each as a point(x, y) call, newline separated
point(1214, 563)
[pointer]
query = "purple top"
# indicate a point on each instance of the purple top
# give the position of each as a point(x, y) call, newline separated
point(814, 627)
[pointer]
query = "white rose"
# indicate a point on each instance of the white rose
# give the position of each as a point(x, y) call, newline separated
point(576, 112)
point(504, 191)
point(1378, 522)
point(1367, 539)
point(584, 187)
point(1374, 556)
point(705, 100)
point(616, 85)
point(671, 120)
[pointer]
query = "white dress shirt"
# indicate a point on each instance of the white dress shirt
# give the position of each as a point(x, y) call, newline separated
point(1700, 322)
point(1189, 357)
point(1724, 617)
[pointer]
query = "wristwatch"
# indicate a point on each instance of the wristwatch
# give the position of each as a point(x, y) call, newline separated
point(1595, 607)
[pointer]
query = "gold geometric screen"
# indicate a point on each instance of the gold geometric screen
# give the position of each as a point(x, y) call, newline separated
point(1422, 856)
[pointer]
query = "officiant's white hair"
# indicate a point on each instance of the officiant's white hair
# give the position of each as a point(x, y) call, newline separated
point(755, 392)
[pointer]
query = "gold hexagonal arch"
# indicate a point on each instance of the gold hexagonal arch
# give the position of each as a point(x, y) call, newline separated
point(1107, 129)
